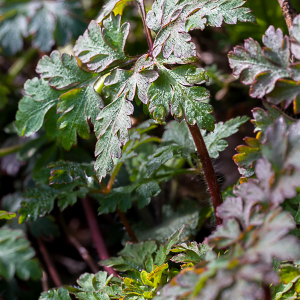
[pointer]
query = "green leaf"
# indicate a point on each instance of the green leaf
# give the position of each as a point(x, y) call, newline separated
point(62, 71)
point(67, 172)
point(247, 155)
point(132, 257)
point(33, 107)
point(111, 130)
point(99, 47)
point(40, 201)
point(172, 20)
point(191, 252)
point(12, 31)
point(288, 272)
point(47, 22)
point(78, 104)
point(175, 89)
point(16, 256)
point(124, 196)
point(215, 142)
point(60, 294)
point(7, 215)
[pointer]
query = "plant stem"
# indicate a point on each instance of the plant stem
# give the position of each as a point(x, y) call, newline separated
point(44, 281)
point(288, 11)
point(208, 169)
point(82, 251)
point(141, 6)
point(10, 150)
point(96, 233)
point(127, 226)
point(48, 262)
point(267, 292)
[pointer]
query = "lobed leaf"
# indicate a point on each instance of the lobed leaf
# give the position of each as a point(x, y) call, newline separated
point(99, 47)
point(171, 20)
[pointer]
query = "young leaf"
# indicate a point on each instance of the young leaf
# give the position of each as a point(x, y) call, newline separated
point(60, 294)
point(99, 47)
point(7, 215)
point(16, 256)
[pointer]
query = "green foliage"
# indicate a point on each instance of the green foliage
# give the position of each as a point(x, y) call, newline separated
point(47, 21)
point(267, 69)
point(16, 256)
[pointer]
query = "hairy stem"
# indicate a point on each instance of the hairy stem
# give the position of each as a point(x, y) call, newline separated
point(208, 169)
point(44, 281)
point(288, 11)
point(50, 266)
point(10, 150)
point(267, 293)
point(127, 226)
point(96, 233)
point(82, 251)
point(141, 6)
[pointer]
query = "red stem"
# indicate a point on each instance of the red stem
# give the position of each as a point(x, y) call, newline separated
point(267, 292)
point(96, 233)
point(209, 172)
point(127, 226)
point(141, 6)
point(49, 263)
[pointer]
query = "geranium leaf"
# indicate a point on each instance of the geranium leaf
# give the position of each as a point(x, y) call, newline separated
point(60, 294)
point(173, 19)
point(99, 47)
point(261, 68)
point(33, 107)
point(175, 89)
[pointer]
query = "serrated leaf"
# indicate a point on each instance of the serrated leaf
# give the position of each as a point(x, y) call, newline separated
point(132, 257)
point(99, 47)
point(16, 256)
point(78, 104)
point(247, 155)
point(67, 172)
point(173, 90)
point(112, 132)
point(60, 294)
point(215, 142)
point(137, 80)
point(190, 252)
point(33, 107)
point(261, 68)
point(173, 19)
point(39, 201)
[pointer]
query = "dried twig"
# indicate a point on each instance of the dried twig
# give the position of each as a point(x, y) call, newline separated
point(288, 11)
point(82, 251)
point(50, 266)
